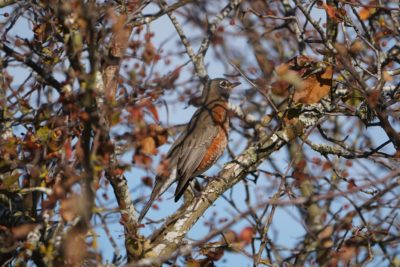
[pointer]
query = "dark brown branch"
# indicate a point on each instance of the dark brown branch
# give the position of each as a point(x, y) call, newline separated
point(50, 80)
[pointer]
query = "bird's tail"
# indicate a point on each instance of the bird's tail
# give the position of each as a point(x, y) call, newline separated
point(161, 185)
point(146, 208)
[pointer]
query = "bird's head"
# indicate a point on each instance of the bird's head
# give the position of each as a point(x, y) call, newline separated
point(219, 88)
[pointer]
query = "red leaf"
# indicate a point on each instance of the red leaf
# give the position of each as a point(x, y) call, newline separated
point(150, 107)
point(330, 10)
point(148, 146)
point(147, 181)
point(351, 185)
point(247, 234)
point(326, 166)
point(68, 149)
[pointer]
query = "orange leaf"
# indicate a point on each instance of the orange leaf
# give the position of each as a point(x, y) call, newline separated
point(68, 149)
point(149, 53)
point(147, 181)
point(330, 10)
point(282, 69)
point(148, 146)
point(315, 87)
point(356, 47)
point(301, 165)
point(69, 208)
point(351, 185)
point(346, 253)
point(373, 97)
point(136, 114)
point(190, 262)
point(326, 233)
point(153, 111)
point(247, 234)
point(159, 133)
point(336, 15)
point(75, 248)
point(150, 107)
point(40, 31)
point(326, 166)
point(280, 88)
point(387, 77)
point(366, 12)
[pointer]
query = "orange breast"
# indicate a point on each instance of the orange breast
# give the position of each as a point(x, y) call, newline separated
point(219, 114)
point(214, 151)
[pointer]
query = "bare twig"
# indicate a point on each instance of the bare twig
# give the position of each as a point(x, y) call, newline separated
point(198, 62)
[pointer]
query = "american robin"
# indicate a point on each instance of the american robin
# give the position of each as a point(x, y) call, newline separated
point(201, 143)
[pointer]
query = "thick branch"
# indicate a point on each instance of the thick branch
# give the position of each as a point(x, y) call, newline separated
point(4, 3)
point(167, 240)
point(111, 67)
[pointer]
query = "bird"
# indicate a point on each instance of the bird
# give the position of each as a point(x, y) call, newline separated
point(200, 144)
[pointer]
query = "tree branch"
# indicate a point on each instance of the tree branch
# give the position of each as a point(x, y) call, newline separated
point(4, 3)
point(167, 240)
point(49, 79)
point(198, 62)
point(213, 26)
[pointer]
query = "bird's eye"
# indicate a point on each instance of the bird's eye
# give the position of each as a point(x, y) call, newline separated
point(223, 84)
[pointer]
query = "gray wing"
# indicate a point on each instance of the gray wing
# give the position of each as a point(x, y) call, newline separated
point(185, 155)
point(189, 149)
point(161, 185)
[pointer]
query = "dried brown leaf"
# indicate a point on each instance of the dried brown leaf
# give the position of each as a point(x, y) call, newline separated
point(214, 251)
point(20, 232)
point(75, 248)
point(366, 12)
point(69, 208)
point(148, 146)
point(315, 87)
point(147, 181)
point(247, 234)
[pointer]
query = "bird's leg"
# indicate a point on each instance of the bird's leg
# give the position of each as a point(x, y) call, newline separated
point(190, 192)
point(196, 185)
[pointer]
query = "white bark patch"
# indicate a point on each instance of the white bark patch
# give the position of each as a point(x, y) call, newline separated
point(172, 236)
point(159, 248)
point(67, 89)
point(308, 119)
point(232, 167)
point(274, 138)
point(209, 191)
point(7, 134)
point(241, 114)
point(99, 84)
point(284, 136)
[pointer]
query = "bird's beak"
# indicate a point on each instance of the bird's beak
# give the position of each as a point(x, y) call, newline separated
point(235, 84)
